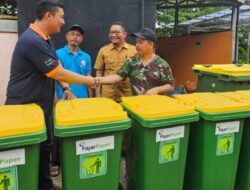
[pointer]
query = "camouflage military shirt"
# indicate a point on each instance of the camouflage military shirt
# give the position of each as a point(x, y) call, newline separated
point(143, 78)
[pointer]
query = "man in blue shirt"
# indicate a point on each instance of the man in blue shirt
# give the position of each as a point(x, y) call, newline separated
point(74, 59)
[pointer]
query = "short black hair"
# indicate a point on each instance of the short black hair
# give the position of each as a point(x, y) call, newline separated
point(120, 24)
point(44, 6)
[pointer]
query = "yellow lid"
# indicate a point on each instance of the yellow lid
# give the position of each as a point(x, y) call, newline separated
point(156, 106)
point(226, 69)
point(211, 103)
point(237, 96)
point(20, 119)
point(245, 93)
point(88, 111)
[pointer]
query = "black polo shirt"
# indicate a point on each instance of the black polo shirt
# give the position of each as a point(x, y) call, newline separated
point(33, 62)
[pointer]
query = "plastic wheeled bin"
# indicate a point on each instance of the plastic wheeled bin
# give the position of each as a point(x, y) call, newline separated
point(243, 172)
point(90, 132)
point(222, 77)
point(22, 128)
point(214, 141)
point(160, 135)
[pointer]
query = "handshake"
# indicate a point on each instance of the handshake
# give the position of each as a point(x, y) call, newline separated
point(97, 81)
point(94, 82)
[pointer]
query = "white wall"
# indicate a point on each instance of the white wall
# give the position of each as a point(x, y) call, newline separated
point(7, 44)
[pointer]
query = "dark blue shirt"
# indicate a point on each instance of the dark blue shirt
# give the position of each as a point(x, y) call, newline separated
point(34, 60)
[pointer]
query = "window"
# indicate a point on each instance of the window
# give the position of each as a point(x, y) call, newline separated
point(8, 16)
point(8, 9)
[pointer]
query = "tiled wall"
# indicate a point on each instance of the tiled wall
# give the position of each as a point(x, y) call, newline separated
point(7, 44)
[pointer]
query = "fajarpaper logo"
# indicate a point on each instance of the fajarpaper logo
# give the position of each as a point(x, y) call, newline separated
point(97, 146)
point(12, 158)
point(227, 127)
point(170, 133)
point(94, 145)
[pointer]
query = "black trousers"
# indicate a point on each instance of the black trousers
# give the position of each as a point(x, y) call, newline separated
point(45, 182)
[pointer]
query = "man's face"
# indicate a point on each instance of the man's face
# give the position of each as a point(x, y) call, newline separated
point(74, 38)
point(56, 21)
point(143, 47)
point(117, 34)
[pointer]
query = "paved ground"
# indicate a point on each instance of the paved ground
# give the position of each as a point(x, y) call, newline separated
point(57, 180)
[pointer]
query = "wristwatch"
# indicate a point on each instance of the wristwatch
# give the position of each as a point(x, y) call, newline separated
point(66, 88)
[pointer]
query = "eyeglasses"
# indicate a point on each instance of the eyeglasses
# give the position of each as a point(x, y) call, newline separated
point(115, 33)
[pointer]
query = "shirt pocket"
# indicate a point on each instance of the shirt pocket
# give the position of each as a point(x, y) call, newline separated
point(109, 63)
point(125, 57)
point(122, 59)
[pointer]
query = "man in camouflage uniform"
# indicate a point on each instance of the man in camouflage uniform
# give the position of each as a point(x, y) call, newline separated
point(148, 72)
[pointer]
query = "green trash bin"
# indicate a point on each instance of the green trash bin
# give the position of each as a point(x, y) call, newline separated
point(90, 132)
point(222, 77)
point(243, 172)
point(160, 135)
point(22, 129)
point(214, 141)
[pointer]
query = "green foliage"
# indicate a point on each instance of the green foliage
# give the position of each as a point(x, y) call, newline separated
point(243, 38)
point(165, 26)
point(165, 19)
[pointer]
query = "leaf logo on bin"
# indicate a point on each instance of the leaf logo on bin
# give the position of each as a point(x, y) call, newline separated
point(82, 144)
point(94, 145)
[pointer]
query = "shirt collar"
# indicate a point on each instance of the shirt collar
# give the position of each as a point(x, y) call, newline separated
point(36, 29)
point(124, 46)
point(69, 52)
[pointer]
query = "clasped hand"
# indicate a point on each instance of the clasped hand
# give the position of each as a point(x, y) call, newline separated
point(94, 82)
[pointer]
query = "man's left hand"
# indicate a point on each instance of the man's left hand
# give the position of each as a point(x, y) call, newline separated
point(68, 95)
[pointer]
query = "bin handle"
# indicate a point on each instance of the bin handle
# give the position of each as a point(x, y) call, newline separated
point(207, 65)
point(224, 78)
point(238, 65)
point(197, 72)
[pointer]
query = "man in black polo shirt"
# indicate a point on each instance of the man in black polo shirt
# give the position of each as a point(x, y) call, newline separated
point(34, 67)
